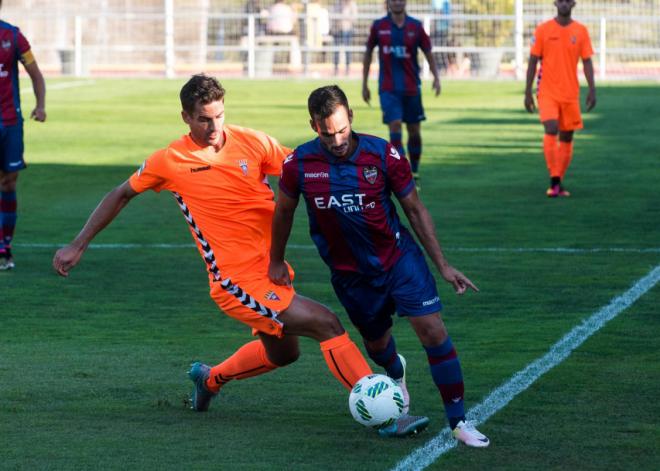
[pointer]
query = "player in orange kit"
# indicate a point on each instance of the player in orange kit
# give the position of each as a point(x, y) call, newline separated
point(217, 174)
point(559, 43)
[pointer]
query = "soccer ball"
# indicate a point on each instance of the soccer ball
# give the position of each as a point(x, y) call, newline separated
point(376, 401)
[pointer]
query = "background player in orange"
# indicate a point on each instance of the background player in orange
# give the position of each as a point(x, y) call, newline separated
point(217, 174)
point(559, 43)
point(15, 48)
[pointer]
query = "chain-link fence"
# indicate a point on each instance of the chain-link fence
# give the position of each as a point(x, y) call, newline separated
point(257, 38)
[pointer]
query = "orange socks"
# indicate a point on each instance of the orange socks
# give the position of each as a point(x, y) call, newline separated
point(565, 155)
point(345, 360)
point(550, 152)
point(249, 360)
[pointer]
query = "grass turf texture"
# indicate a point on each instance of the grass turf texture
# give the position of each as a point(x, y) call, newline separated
point(92, 368)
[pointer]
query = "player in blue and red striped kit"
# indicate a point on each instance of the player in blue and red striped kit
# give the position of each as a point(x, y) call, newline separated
point(347, 180)
point(398, 37)
point(14, 48)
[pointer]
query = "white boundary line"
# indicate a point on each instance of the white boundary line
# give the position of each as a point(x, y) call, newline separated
point(519, 382)
point(566, 250)
point(60, 86)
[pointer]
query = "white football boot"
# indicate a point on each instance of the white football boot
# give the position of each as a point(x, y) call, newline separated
point(466, 432)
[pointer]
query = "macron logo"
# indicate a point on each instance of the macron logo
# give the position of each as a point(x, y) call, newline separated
point(429, 302)
point(317, 175)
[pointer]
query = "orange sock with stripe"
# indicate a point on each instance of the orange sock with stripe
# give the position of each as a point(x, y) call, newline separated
point(550, 152)
point(345, 360)
point(249, 360)
point(565, 156)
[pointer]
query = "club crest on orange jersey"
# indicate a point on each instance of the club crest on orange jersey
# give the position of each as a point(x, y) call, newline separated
point(271, 296)
point(370, 173)
point(243, 163)
point(573, 39)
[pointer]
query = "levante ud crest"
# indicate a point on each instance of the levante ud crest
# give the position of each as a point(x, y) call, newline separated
point(370, 173)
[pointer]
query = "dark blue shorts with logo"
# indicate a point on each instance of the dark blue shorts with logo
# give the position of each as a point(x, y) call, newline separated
point(399, 106)
point(11, 148)
point(408, 289)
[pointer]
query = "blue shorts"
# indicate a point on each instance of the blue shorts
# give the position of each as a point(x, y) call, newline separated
point(408, 288)
point(11, 148)
point(398, 106)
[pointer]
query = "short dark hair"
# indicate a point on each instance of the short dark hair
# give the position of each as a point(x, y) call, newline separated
point(323, 101)
point(202, 89)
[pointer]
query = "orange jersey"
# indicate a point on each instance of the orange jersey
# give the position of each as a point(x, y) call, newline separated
point(560, 48)
point(224, 195)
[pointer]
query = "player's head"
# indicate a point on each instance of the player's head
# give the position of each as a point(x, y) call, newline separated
point(564, 7)
point(396, 6)
point(203, 103)
point(331, 118)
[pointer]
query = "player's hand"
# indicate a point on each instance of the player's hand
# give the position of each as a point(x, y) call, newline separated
point(591, 99)
point(366, 94)
point(458, 280)
point(436, 86)
point(65, 259)
point(38, 114)
point(529, 102)
point(278, 272)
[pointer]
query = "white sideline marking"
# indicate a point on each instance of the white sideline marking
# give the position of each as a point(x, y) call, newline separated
point(519, 382)
point(61, 86)
point(566, 250)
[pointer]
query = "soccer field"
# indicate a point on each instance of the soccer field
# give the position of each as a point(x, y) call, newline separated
point(93, 367)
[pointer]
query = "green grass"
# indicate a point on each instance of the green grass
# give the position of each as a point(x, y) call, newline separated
point(92, 368)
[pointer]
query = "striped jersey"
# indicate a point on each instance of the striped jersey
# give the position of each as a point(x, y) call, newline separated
point(352, 218)
point(13, 48)
point(397, 53)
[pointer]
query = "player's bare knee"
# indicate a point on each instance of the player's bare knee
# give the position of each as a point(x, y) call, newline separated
point(285, 358)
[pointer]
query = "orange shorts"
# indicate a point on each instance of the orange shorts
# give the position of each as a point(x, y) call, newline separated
point(252, 300)
point(566, 112)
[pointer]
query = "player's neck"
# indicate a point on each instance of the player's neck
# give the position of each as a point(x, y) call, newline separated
point(398, 18)
point(563, 20)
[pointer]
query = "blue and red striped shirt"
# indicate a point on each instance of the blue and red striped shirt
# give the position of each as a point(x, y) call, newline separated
point(12, 46)
point(397, 53)
point(352, 218)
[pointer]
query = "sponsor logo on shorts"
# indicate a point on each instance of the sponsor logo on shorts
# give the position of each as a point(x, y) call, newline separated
point(370, 173)
point(271, 296)
point(15, 164)
point(430, 302)
point(200, 169)
point(317, 175)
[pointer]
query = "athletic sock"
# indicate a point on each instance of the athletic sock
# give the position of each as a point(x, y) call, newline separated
point(565, 156)
point(554, 181)
point(397, 141)
point(447, 376)
point(345, 360)
point(550, 152)
point(415, 152)
point(7, 218)
point(388, 359)
point(249, 360)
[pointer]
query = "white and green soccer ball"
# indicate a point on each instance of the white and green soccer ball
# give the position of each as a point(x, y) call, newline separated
point(376, 401)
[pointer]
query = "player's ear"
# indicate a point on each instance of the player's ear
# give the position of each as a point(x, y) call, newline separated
point(185, 116)
point(350, 116)
point(312, 123)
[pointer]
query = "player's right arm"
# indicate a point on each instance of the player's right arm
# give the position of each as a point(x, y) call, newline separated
point(531, 73)
point(366, 63)
point(110, 206)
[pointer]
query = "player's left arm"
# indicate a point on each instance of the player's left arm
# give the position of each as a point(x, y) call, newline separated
point(38, 85)
point(285, 208)
point(422, 224)
point(433, 66)
point(588, 67)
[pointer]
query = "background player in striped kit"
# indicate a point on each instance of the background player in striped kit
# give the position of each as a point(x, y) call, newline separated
point(377, 268)
point(398, 37)
point(217, 174)
point(14, 48)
